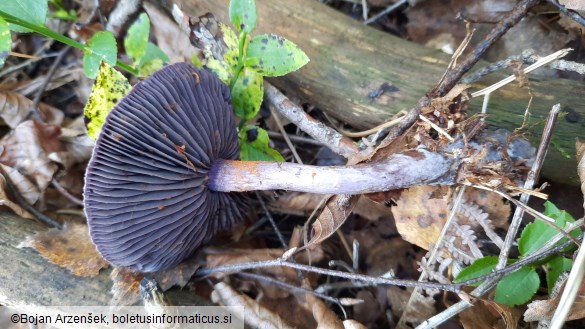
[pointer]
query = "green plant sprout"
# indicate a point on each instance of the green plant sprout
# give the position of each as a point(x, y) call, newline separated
point(61, 13)
point(30, 15)
point(243, 67)
point(520, 286)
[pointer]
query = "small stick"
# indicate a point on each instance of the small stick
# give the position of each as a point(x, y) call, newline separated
point(272, 222)
point(286, 139)
point(542, 61)
point(485, 287)
point(345, 275)
point(494, 35)
point(23, 203)
point(275, 282)
point(295, 138)
point(66, 193)
point(570, 13)
point(386, 11)
point(48, 77)
point(437, 128)
point(320, 132)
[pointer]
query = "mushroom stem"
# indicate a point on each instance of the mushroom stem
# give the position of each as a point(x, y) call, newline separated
point(415, 167)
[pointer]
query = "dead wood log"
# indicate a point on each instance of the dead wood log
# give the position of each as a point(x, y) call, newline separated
point(350, 60)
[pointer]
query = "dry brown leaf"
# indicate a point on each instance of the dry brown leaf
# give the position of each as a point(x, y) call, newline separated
point(370, 309)
point(491, 203)
point(301, 203)
point(15, 108)
point(169, 37)
point(488, 314)
point(334, 214)
point(420, 215)
point(293, 309)
point(325, 317)
point(29, 191)
point(307, 256)
point(420, 309)
point(5, 201)
point(256, 315)
point(544, 309)
point(125, 290)
point(70, 248)
point(27, 149)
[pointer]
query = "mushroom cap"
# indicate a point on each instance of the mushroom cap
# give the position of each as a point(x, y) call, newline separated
point(146, 196)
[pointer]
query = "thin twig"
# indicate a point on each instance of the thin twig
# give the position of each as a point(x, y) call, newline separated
point(485, 287)
point(320, 132)
point(66, 193)
point(495, 34)
point(350, 276)
point(542, 61)
point(275, 282)
point(295, 138)
point(386, 11)
point(578, 271)
point(23, 203)
point(435, 250)
point(43, 86)
point(570, 13)
point(272, 222)
point(285, 136)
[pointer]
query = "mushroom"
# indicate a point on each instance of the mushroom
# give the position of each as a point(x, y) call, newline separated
point(164, 170)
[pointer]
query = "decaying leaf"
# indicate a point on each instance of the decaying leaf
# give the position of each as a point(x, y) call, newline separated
point(70, 248)
point(5, 200)
point(334, 214)
point(544, 309)
point(110, 86)
point(256, 315)
point(27, 149)
point(325, 317)
point(421, 307)
point(421, 212)
point(487, 314)
point(218, 43)
point(125, 289)
point(301, 203)
point(15, 108)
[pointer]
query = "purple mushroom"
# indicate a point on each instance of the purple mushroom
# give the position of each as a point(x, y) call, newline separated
point(163, 173)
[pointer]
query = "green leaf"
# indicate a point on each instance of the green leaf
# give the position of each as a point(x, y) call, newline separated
point(243, 15)
point(537, 233)
point(101, 46)
point(136, 39)
point(32, 11)
point(554, 268)
point(254, 145)
point(5, 41)
point(224, 67)
point(479, 267)
point(517, 288)
point(271, 55)
point(152, 61)
point(109, 87)
point(247, 94)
